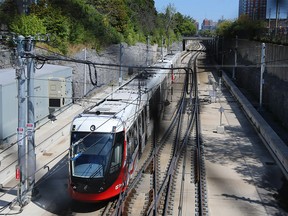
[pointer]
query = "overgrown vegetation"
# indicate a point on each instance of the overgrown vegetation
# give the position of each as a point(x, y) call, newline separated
point(97, 23)
point(243, 27)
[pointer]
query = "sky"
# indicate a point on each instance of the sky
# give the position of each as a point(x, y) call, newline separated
point(201, 9)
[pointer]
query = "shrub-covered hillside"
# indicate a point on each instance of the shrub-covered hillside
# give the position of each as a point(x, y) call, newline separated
point(96, 23)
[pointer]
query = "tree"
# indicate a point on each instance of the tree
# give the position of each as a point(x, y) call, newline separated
point(207, 33)
point(185, 25)
point(29, 25)
point(223, 28)
point(243, 27)
point(57, 25)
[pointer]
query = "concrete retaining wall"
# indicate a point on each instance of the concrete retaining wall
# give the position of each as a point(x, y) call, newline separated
point(275, 88)
point(274, 144)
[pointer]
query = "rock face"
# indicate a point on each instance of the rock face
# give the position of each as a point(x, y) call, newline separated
point(4, 57)
point(137, 55)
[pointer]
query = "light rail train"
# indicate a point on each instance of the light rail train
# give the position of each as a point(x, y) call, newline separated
point(108, 139)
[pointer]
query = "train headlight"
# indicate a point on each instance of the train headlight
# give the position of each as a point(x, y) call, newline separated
point(101, 189)
point(92, 127)
point(73, 186)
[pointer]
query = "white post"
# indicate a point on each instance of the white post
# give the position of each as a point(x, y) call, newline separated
point(120, 69)
point(162, 43)
point(85, 76)
point(262, 71)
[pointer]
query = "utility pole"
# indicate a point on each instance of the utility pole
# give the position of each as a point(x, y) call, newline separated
point(269, 23)
point(147, 51)
point(162, 43)
point(26, 167)
point(263, 47)
point(222, 56)
point(217, 47)
point(277, 17)
point(30, 150)
point(21, 139)
point(235, 58)
point(120, 69)
point(85, 76)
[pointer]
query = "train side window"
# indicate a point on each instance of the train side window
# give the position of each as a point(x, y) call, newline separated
point(135, 137)
point(128, 145)
point(143, 121)
point(150, 108)
point(140, 123)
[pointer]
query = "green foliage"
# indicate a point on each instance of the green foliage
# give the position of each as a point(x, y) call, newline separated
point(223, 28)
point(77, 33)
point(115, 11)
point(57, 25)
point(207, 33)
point(99, 22)
point(244, 27)
point(172, 25)
point(8, 11)
point(185, 25)
point(143, 15)
point(29, 25)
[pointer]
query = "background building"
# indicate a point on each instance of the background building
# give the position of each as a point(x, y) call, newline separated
point(208, 25)
point(255, 9)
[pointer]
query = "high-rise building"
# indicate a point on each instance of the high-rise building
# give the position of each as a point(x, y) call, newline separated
point(208, 24)
point(255, 9)
point(277, 9)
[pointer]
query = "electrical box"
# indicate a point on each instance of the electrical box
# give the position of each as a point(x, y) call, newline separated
point(57, 92)
point(52, 91)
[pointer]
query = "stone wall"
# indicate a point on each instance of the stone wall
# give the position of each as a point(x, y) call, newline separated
point(131, 56)
point(136, 55)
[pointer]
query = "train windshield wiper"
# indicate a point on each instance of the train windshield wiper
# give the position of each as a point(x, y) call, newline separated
point(97, 172)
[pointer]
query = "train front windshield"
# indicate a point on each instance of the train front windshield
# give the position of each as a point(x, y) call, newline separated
point(95, 154)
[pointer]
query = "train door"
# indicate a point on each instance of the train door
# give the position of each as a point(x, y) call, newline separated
point(139, 122)
point(146, 123)
point(142, 130)
point(132, 149)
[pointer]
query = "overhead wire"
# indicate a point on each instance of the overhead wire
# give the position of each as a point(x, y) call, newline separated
point(45, 59)
point(43, 167)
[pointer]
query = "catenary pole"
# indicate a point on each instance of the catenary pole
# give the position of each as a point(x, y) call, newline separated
point(85, 73)
point(21, 139)
point(31, 157)
point(147, 50)
point(235, 58)
point(263, 47)
point(162, 54)
point(120, 68)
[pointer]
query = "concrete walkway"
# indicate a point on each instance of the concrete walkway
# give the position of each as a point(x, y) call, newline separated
point(52, 144)
point(242, 177)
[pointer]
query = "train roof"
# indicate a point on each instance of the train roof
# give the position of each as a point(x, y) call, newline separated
point(120, 109)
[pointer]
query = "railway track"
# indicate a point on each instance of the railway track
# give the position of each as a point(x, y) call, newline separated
point(171, 167)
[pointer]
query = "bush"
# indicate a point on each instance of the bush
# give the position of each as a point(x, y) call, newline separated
point(29, 25)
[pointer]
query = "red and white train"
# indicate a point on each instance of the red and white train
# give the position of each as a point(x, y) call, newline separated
point(108, 139)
